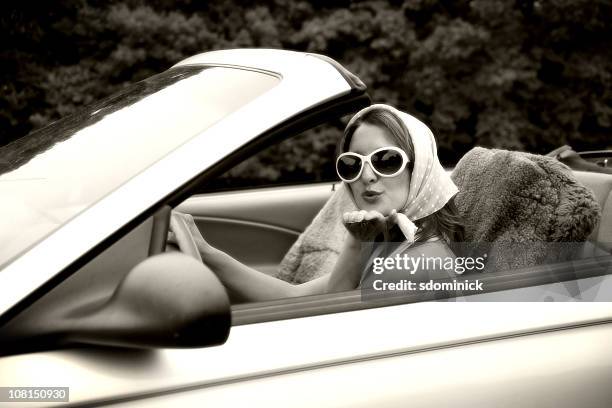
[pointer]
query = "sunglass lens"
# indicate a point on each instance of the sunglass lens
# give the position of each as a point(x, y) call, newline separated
point(348, 167)
point(387, 162)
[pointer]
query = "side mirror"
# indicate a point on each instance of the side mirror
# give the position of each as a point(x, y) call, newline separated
point(167, 300)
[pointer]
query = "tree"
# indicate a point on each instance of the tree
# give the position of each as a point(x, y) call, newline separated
point(518, 74)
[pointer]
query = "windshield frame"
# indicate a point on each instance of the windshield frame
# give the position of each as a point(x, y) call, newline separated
point(59, 171)
point(140, 197)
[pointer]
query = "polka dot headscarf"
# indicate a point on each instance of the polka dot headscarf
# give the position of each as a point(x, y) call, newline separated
point(430, 186)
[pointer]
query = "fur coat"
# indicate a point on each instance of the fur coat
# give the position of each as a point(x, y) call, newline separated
point(516, 207)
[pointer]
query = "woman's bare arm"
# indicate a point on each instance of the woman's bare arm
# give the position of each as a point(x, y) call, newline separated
point(249, 285)
point(347, 272)
point(243, 283)
point(363, 226)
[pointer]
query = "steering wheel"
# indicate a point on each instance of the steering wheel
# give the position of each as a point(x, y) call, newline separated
point(183, 234)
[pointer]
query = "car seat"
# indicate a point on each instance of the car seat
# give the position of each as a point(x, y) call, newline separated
point(601, 186)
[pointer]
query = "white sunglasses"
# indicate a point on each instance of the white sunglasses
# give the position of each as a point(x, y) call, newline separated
point(386, 162)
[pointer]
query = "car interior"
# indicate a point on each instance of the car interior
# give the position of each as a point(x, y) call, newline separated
point(258, 226)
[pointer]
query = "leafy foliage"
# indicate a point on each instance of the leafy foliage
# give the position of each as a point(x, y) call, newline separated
point(519, 74)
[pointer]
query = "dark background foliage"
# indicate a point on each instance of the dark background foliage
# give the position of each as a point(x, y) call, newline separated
point(517, 74)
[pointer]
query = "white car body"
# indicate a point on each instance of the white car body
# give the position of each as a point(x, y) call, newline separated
point(459, 353)
point(424, 355)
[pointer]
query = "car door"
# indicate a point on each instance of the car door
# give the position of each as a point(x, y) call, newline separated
point(423, 354)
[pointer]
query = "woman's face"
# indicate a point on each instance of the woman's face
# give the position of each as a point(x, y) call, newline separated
point(371, 191)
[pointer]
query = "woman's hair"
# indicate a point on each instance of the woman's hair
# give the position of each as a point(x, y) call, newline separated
point(385, 120)
point(445, 222)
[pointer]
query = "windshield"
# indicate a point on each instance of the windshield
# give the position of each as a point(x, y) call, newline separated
point(53, 174)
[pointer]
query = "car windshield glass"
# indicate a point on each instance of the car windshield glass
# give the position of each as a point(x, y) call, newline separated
point(53, 174)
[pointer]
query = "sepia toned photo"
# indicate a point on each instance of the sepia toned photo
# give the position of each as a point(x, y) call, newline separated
point(375, 203)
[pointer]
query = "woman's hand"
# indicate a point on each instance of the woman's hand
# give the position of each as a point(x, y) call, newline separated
point(174, 233)
point(366, 225)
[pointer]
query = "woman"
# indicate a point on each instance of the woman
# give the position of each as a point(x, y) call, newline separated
point(390, 166)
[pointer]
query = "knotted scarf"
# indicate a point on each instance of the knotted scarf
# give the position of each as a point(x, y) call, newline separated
point(430, 186)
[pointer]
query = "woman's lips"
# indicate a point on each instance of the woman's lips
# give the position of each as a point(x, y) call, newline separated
point(371, 196)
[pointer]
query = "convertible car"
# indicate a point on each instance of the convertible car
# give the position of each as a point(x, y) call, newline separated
point(91, 302)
